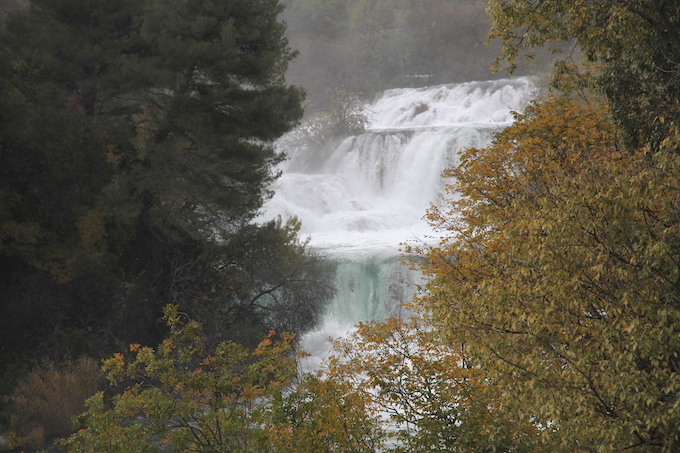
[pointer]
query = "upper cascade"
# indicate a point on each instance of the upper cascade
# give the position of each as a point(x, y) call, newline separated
point(369, 192)
point(488, 103)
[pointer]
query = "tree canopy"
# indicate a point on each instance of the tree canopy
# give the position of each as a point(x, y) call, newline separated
point(401, 389)
point(137, 141)
point(560, 275)
point(634, 47)
point(192, 397)
point(560, 268)
point(431, 392)
point(186, 395)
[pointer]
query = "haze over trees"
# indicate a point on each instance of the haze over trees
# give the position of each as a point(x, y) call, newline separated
point(361, 46)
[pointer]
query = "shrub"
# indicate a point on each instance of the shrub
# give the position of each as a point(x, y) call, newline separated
point(44, 403)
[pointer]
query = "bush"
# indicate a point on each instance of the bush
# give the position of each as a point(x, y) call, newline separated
point(44, 403)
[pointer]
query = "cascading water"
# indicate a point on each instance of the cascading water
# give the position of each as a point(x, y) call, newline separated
point(359, 199)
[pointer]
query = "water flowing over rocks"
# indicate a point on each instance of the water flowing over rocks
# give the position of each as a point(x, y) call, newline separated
point(360, 198)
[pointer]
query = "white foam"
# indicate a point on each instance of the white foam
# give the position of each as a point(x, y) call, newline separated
point(362, 198)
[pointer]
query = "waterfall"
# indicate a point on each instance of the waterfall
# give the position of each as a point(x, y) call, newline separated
point(360, 198)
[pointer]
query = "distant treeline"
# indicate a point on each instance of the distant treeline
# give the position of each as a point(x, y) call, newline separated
point(362, 46)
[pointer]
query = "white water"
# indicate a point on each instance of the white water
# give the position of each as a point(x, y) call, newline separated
point(359, 199)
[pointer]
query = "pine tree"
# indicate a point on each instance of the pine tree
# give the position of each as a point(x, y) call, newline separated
point(139, 146)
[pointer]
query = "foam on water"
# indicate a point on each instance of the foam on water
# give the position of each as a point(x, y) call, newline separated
point(362, 197)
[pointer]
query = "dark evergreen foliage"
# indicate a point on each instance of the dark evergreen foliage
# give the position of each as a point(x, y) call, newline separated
point(136, 139)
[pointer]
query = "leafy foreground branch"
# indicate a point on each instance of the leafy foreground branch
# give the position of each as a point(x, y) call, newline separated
point(432, 394)
point(400, 389)
point(183, 397)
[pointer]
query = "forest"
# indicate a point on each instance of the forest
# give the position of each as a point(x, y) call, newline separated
point(144, 309)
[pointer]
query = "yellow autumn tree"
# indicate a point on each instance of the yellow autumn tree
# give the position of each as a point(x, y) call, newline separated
point(560, 274)
point(184, 396)
point(431, 395)
point(631, 49)
point(322, 416)
point(187, 395)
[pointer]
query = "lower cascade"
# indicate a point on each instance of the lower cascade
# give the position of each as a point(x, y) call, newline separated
point(360, 198)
